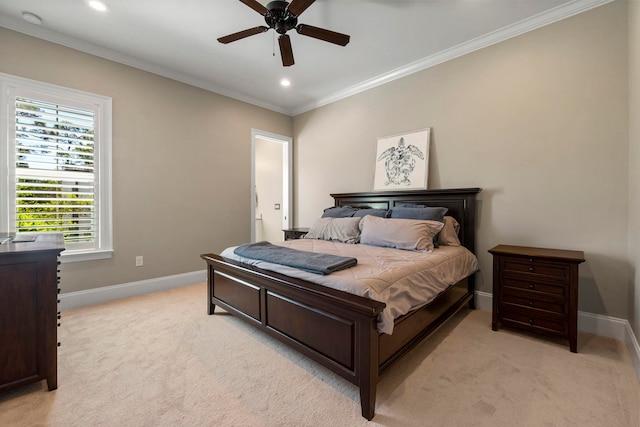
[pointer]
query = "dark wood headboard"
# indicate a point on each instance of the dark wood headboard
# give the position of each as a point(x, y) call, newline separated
point(461, 203)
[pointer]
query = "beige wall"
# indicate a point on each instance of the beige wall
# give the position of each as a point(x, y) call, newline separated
point(634, 165)
point(540, 122)
point(181, 162)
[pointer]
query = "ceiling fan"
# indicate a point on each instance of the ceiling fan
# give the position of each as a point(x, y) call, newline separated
point(283, 16)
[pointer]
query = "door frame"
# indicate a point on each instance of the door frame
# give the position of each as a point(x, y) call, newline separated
point(287, 176)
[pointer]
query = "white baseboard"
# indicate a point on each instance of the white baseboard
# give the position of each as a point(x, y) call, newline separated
point(597, 324)
point(484, 301)
point(109, 293)
point(634, 348)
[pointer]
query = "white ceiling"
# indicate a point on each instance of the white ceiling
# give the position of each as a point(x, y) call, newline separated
point(389, 39)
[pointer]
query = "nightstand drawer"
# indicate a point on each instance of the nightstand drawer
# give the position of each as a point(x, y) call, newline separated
point(535, 323)
point(533, 302)
point(537, 268)
point(531, 285)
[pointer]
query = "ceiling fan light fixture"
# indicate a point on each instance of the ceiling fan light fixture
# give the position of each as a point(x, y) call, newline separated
point(285, 82)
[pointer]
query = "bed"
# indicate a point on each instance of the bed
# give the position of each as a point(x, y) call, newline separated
point(335, 328)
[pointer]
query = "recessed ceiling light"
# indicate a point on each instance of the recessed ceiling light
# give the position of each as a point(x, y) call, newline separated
point(285, 82)
point(31, 18)
point(98, 5)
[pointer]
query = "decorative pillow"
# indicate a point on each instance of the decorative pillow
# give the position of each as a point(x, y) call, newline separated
point(409, 234)
point(433, 214)
point(338, 212)
point(382, 213)
point(449, 234)
point(408, 205)
point(344, 230)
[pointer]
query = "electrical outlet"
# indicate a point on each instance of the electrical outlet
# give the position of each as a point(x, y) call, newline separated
point(139, 261)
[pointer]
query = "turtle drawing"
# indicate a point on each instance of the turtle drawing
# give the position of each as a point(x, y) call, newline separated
point(399, 162)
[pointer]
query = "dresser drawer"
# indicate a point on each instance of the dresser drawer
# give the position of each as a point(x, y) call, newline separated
point(531, 285)
point(536, 268)
point(534, 302)
point(534, 323)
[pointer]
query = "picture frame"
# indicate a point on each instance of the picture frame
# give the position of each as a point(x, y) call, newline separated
point(402, 161)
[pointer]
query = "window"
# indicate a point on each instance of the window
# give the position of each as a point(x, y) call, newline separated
point(55, 167)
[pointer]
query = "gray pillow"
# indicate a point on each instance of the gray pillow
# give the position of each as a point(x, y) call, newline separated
point(338, 212)
point(429, 213)
point(382, 213)
point(408, 234)
point(343, 230)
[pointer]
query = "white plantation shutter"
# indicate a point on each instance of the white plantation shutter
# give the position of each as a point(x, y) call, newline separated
point(57, 168)
point(54, 173)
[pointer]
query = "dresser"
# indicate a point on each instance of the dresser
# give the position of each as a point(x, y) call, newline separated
point(536, 289)
point(28, 310)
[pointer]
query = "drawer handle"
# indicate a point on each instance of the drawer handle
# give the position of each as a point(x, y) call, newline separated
point(530, 285)
point(530, 303)
point(531, 322)
point(530, 268)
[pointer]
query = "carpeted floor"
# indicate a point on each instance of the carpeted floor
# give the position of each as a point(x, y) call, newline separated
point(160, 360)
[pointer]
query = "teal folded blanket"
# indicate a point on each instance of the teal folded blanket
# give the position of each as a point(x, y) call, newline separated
point(303, 260)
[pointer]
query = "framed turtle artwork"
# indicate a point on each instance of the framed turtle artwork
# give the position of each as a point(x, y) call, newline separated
point(402, 161)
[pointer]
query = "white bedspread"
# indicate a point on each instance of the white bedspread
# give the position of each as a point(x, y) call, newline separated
point(403, 280)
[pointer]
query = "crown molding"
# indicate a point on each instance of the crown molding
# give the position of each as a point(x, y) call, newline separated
point(556, 14)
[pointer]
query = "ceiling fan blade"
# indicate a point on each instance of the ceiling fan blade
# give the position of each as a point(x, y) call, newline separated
point(242, 34)
point(285, 50)
point(296, 7)
point(322, 34)
point(253, 4)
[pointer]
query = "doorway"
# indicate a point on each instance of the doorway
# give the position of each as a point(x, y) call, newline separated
point(271, 182)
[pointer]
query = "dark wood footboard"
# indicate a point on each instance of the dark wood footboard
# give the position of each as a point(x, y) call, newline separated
point(334, 328)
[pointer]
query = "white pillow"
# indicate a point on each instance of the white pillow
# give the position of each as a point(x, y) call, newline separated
point(408, 234)
point(343, 230)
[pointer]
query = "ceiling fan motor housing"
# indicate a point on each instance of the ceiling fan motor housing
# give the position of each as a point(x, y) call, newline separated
point(279, 18)
point(282, 16)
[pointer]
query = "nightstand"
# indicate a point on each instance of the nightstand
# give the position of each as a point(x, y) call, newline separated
point(295, 233)
point(536, 289)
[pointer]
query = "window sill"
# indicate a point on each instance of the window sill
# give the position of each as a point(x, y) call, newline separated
point(80, 255)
